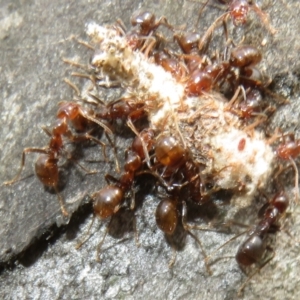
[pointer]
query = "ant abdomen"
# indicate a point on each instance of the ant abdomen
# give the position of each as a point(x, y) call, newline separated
point(167, 216)
point(199, 82)
point(46, 170)
point(245, 56)
point(107, 201)
point(188, 42)
point(168, 151)
point(251, 251)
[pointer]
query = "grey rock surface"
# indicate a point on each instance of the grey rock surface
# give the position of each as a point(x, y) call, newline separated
point(35, 36)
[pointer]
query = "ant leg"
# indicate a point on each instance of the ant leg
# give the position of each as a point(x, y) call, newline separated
point(113, 145)
point(200, 12)
point(96, 121)
point(210, 30)
point(74, 63)
point(102, 241)
point(121, 27)
point(103, 145)
point(87, 45)
point(252, 126)
point(109, 178)
point(136, 233)
point(97, 99)
point(264, 18)
point(26, 150)
point(296, 180)
point(86, 76)
point(186, 227)
point(87, 235)
point(132, 127)
point(87, 171)
point(174, 255)
point(87, 136)
point(147, 47)
point(61, 202)
point(233, 99)
point(226, 243)
point(73, 86)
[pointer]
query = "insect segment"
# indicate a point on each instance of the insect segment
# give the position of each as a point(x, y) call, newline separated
point(69, 116)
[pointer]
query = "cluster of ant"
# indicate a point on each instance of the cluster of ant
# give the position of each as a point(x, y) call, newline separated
point(206, 114)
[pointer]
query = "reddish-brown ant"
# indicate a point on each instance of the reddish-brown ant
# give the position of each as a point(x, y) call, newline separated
point(108, 200)
point(145, 24)
point(46, 166)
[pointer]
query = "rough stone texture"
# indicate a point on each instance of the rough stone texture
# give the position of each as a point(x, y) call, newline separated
point(35, 36)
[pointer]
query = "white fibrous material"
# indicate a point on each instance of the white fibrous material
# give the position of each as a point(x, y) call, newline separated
point(238, 159)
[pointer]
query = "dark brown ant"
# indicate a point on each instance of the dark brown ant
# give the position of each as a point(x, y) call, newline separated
point(254, 247)
point(108, 200)
point(290, 148)
point(46, 166)
point(179, 175)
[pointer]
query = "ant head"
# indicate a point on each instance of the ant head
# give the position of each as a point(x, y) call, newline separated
point(146, 21)
point(239, 10)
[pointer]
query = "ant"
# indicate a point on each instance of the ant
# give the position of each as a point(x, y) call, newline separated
point(252, 250)
point(145, 25)
point(108, 200)
point(179, 175)
point(46, 166)
point(238, 11)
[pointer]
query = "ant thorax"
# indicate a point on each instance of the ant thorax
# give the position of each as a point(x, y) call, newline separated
point(237, 157)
